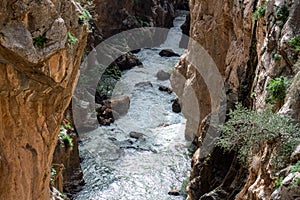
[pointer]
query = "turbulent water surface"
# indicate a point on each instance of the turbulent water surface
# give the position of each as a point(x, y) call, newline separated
point(160, 161)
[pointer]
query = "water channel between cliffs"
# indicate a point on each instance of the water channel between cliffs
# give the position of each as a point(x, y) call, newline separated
point(161, 161)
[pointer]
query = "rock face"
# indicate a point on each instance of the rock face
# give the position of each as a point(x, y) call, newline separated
point(250, 43)
point(66, 157)
point(116, 16)
point(38, 71)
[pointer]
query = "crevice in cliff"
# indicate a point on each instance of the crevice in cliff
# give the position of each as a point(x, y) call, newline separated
point(249, 76)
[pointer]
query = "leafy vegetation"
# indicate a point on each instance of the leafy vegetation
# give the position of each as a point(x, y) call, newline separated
point(85, 16)
point(68, 141)
point(247, 130)
point(278, 182)
point(52, 175)
point(295, 42)
point(62, 195)
point(276, 88)
point(68, 125)
point(40, 41)
point(296, 167)
point(295, 183)
point(276, 57)
point(71, 39)
point(282, 13)
point(260, 11)
point(143, 22)
point(108, 81)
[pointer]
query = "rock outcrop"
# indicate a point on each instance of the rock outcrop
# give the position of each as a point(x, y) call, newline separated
point(251, 43)
point(41, 45)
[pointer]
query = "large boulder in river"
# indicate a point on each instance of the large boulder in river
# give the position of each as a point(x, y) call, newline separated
point(168, 53)
point(127, 61)
point(119, 104)
point(162, 75)
point(176, 107)
point(165, 89)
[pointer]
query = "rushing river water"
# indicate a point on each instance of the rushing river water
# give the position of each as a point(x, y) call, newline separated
point(162, 162)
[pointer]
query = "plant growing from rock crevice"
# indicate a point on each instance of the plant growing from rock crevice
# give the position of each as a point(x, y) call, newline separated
point(282, 13)
point(68, 141)
point(278, 182)
point(296, 167)
point(259, 12)
point(247, 131)
point(85, 16)
point(52, 175)
point(40, 41)
point(276, 57)
point(276, 88)
point(295, 42)
point(71, 39)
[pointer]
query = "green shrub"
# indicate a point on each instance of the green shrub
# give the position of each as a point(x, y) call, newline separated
point(68, 141)
point(85, 16)
point(296, 167)
point(40, 41)
point(276, 88)
point(112, 72)
point(295, 42)
point(71, 39)
point(68, 125)
point(247, 130)
point(276, 57)
point(282, 13)
point(108, 80)
point(278, 182)
point(260, 11)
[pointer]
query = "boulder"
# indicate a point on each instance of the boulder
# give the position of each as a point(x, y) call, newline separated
point(176, 107)
point(174, 192)
point(165, 89)
point(136, 135)
point(120, 104)
point(127, 61)
point(162, 75)
point(168, 53)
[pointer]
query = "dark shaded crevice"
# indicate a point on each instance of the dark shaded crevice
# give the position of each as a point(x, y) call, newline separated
point(249, 75)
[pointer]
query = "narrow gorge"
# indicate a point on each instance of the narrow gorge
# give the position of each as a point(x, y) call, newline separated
point(150, 99)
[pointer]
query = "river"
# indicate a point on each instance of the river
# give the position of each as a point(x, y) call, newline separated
point(162, 162)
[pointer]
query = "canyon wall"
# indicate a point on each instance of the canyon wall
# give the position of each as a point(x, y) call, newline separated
point(41, 44)
point(250, 43)
point(113, 17)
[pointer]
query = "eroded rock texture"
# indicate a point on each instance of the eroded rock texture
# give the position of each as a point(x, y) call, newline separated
point(116, 16)
point(38, 71)
point(249, 49)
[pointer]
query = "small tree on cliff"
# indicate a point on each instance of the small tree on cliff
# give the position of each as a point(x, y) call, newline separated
point(247, 131)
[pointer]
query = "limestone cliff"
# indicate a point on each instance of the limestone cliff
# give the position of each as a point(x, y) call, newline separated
point(41, 44)
point(251, 43)
point(116, 16)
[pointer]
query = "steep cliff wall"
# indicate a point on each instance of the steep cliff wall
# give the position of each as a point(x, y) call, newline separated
point(116, 16)
point(41, 44)
point(252, 42)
